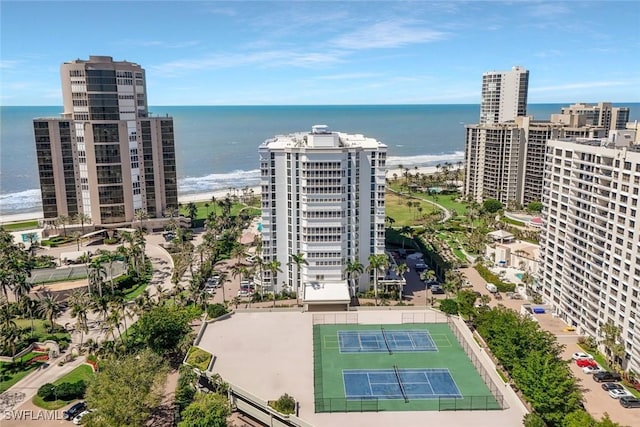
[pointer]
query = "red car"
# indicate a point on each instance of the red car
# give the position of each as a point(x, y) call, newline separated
point(586, 362)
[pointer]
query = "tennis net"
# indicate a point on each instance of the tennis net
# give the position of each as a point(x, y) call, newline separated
point(404, 393)
point(386, 343)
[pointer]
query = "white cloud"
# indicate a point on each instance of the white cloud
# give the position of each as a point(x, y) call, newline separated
point(272, 58)
point(582, 85)
point(162, 43)
point(388, 34)
point(348, 76)
point(8, 64)
point(548, 10)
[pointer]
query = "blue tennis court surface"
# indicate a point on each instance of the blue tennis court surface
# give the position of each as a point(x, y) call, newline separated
point(390, 384)
point(380, 341)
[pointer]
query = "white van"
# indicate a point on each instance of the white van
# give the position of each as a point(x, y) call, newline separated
point(492, 288)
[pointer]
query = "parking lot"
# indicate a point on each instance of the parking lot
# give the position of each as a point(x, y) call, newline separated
point(597, 402)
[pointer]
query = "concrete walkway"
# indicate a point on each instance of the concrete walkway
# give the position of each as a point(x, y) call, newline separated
point(27, 387)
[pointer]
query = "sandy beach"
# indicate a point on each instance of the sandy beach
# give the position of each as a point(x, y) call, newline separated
point(201, 197)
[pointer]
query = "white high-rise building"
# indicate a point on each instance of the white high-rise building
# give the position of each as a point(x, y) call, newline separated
point(590, 245)
point(322, 198)
point(504, 95)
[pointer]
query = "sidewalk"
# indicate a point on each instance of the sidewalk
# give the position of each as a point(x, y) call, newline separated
point(29, 385)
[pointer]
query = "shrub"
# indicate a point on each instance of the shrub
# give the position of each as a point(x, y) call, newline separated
point(47, 391)
point(64, 391)
point(285, 404)
point(216, 310)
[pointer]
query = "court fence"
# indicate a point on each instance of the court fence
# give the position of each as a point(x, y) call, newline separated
point(495, 401)
point(429, 316)
point(469, 403)
point(335, 318)
point(333, 404)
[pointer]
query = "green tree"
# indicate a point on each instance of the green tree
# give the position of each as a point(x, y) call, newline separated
point(80, 304)
point(449, 306)
point(298, 260)
point(207, 410)
point(126, 390)
point(377, 263)
point(491, 205)
point(548, 385)
point(82, 218)
point(579, 418)
point(15, 263)
point(192, 211)
point(163, 328)
point(533, 420)
point(50, 308)
point(353, 270)
point(534, 207)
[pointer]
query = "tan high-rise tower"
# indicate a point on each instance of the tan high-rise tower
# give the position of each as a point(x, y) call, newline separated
point(105, 157)
point(504, 95)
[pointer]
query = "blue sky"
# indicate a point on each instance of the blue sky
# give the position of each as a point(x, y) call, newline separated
point(327, 52)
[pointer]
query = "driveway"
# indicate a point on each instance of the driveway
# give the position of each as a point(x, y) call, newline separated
point(596, 401)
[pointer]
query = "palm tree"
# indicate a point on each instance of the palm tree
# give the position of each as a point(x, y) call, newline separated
point(109, 257)
point(100, 305)
point(119, 303)
point(223, 278)
point(192, 211)
point(112, 322)
point(400, 270)
point(9, 336)
point(82, 218)
point(298, 260)
point(80, 304)
point(49, 307)
point(96, 274)
point(377, 263)
point(140, 215)
point(274, 268)
point(62, 220)
point(353, 270)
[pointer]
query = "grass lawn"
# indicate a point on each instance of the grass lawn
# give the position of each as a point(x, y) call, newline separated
point(11, 373)
point(133, 293)
point(40, 329)
point(203, 210)
point(396, 208)
point(82, 372)
point(17, 226)
point(199, 358)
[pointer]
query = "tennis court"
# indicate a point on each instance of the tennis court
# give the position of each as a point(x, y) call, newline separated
point(382, 340)
point(397, 383)
point(394, 367)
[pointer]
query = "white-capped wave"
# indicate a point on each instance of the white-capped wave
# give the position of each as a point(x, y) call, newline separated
point(22, 201)
point(218, 181)
point(425, 160)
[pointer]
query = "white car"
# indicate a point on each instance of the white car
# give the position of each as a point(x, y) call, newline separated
point(592, 369)
point(78, 419)
point(617, 394)
point(581, 355)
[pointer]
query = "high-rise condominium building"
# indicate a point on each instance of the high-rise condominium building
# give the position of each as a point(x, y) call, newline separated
point(505, 161)
point(322, 198)
point(105, 157)
point(504, 95)
point(603, 115)
point(590, 245)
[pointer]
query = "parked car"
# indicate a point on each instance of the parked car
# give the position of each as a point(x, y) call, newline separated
point(617, 394)
point(71, 413)
point(592, 369)
point(602, 377)
point(421, 266)
point(242, 293)
point(630, 402)
point(437, 289)
point(78, 419)
point(581, 355)
point(583, 363)
point(612, 386)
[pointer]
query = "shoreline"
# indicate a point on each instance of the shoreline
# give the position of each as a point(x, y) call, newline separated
point(207, 196)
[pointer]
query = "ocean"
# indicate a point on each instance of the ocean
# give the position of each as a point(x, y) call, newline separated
point(217, 146)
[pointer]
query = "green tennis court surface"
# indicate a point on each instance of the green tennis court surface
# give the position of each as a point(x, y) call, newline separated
point(406, 367)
